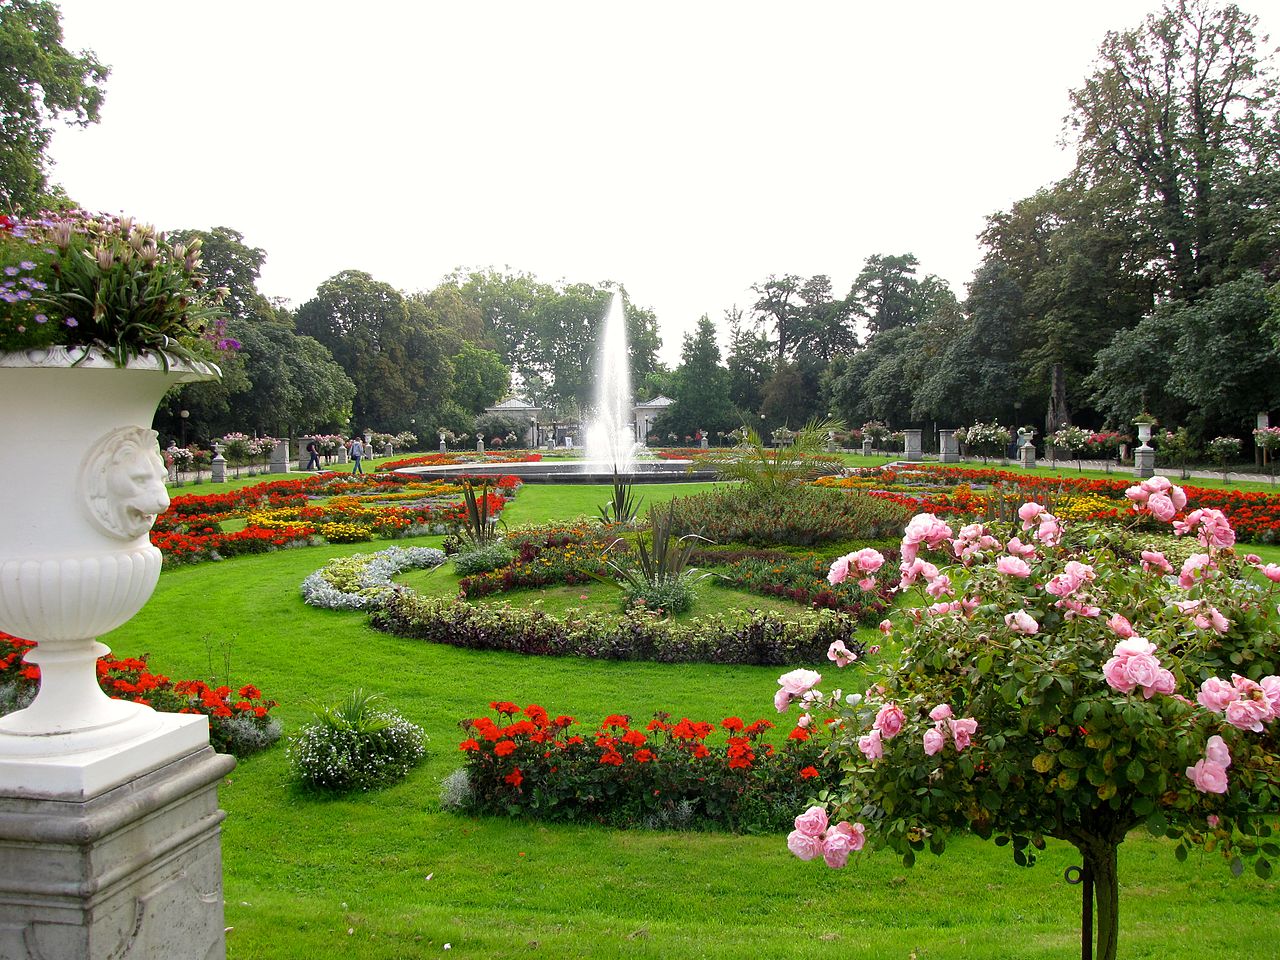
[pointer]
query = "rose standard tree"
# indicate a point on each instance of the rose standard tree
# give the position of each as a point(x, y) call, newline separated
point(1064, 681)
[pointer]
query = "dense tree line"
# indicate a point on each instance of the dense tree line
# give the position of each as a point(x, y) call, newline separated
point(1144, 280)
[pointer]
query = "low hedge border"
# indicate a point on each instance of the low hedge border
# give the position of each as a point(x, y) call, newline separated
point(758, 639)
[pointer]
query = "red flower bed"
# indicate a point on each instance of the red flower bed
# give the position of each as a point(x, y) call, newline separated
point(452, 459)
point(239, 721)
point(684, 773)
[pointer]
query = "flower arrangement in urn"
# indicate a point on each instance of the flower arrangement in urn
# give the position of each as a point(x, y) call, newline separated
point(98, 281)
point(1061, 680)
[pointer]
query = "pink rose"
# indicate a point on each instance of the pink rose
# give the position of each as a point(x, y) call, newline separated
point(1113, 671)
point(1049, 532)
point(813, 822)
point(867, 583)
point(889, 721)
point(885, 627)
point(836, 847)
point(939, 586)
point(1197, 567)
point(1272, 572)
point(1215, 751)
point(1013, 567)
point(804, 720)
point(867, 560)
point(871, 746)
point(1138, 494)
point(962, 731)
point(1142, 669)
point(941, 712)
point(1161, 507)
point(799, 682)
point(1164, 683)
point(841, 654)
point(1215, 693)
point(1210, 617)
point(839, 571)
point(1120, 626)
point(934, 741)
point(1208, 777)
point(856, 833)
point(803, 845)
point(1154, 558)
point(782, 700)
point(1021, 622)
point(1271, 687)
point(1028, 513)
point(1019, 549)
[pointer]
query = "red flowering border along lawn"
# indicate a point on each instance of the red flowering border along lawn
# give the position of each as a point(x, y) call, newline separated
point(190, 530)
point(670, 773)
point(131, 678)
point(1255, 516)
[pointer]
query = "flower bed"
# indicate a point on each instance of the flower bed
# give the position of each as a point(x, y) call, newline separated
point(804, 580)
point(452, 459)
point(1255, 516)
point(545, 555)
point(301, 511)
point(239, 722)
point(745, 638)
point(669, 774)
point(361, 581)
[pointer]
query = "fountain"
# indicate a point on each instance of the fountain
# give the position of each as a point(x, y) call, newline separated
point(611, 446)
point(610, 433)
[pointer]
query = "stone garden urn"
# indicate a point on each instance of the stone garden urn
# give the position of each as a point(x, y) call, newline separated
point(76, 560)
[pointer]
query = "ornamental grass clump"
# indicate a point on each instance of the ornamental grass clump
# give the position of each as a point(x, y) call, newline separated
point(1051, 687)
point(658, 576)
point(357, 744)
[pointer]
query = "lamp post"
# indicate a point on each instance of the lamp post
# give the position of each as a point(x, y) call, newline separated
point(182, 417)
point(533, 433)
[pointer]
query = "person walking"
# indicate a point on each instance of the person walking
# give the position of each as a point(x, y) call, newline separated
point(357, 454)
point(313, 449)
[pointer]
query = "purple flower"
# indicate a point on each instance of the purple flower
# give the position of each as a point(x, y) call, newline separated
point(10, 271)
point(41, 318)
point(27, 265)
point(72, 322)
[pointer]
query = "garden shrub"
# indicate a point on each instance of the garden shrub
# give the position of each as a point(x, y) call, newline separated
point(666, 773)
point(735, 637)
point(806, 516)
point(482, 558)
point(358, 744)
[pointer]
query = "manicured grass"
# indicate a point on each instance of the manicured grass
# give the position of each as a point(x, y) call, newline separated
point(388, 875)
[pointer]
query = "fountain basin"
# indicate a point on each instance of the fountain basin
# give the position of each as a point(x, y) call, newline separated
point(575, 471)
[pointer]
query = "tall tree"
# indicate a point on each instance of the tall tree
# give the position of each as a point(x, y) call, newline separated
point(1184, 111)
point(750, 365)
point(884, 292)
point(826, 326)
point(700, 387)
point(479, 378)
point(779, 307)
point(40, 81)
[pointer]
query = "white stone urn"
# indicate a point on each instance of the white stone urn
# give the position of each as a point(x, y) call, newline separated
point(1144, 430)
point(82, 486)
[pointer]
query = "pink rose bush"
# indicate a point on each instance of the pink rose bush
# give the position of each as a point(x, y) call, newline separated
point(1064, 680)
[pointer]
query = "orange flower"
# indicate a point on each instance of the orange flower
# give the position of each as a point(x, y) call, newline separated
point(515, 777)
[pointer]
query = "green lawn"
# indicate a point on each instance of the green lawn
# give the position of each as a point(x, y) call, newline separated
point(387, 875)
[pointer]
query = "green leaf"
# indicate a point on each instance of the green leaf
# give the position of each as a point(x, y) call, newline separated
point(1134, 770)
point(1262, 868)
point(1180, 852)
point(1237, 866)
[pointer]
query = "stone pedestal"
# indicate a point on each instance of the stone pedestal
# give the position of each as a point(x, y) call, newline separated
point(867, 447)
point(218, 466)
point(342, 453)
point(913, 452)
point(703, 442)
point(131, 873)
point(479, 446)
point(280, 457)
point(389, 450)
point(1027, 455)
point(1144, 461)
point(948, 449)
point(443, 448)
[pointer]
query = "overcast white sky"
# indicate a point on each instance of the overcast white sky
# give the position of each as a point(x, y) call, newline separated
point(687, 149)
